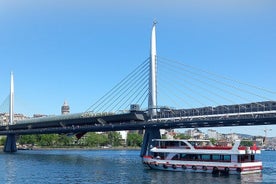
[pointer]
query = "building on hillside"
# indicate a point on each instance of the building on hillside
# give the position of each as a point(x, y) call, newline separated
point(169, 134)
point(39, 115)
point(5, 118)
point(230, 137)
point(213, 134)
point(123, 136)
point(195, 133)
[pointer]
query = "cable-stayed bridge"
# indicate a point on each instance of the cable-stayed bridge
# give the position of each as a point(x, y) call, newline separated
point(196, 96)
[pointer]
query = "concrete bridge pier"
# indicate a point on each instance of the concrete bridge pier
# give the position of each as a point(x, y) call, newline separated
point(150, 133)
point(10, 144)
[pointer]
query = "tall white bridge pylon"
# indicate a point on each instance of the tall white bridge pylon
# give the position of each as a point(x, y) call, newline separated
point(152, 103)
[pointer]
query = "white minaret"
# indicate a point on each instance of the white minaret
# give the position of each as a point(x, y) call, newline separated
point(11, 100)
point(152, 78)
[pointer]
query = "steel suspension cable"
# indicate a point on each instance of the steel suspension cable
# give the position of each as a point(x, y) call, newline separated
point(172, 69)
point(221, 76)
point(217, 81)
point(141, 89)
point(108, 95)
point(119, 94)
point(128, 90)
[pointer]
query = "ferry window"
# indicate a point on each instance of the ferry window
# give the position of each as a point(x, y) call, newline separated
point(193, 157)
point(160, 155)
point(163, 144)
point(175, 157)
point(205, 157)
point(227, 157)
point(183, 156)
point(216, 157)
point(183, 144)
point(172, 143)
point(156, 143)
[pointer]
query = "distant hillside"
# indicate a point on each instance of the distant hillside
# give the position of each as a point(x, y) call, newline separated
point(245, 136)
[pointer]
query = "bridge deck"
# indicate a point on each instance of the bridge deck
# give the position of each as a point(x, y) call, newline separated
point(134, 121)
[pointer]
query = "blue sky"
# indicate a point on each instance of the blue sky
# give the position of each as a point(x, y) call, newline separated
point(78, 50)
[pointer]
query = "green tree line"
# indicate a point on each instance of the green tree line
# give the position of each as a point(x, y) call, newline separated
point(91, 139)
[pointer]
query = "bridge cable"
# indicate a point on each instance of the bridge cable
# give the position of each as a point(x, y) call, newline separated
point(120, 88)
point(198, 86)
point(223, 83)
point(126, 94)
point(116, 95)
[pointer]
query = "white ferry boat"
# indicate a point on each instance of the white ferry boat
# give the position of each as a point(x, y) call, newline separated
point(202, 156)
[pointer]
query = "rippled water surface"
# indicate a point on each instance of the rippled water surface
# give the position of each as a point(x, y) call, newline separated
point(108, 166)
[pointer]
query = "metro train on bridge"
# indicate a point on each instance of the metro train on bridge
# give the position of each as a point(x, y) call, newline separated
point(222, 109)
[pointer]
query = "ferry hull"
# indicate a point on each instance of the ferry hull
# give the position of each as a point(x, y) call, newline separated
point(208, 167)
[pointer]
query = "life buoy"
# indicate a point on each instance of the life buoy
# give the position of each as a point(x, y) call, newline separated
point(215, 170)
point(184, 167)
point(204, 168)
point(194, 167)
point(165, 166)
point(174, 166)
point(226, 169)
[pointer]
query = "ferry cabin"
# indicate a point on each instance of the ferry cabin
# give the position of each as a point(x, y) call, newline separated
point(200, 144)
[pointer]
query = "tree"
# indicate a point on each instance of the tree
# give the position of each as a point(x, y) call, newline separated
point(182, 136)
point(65, 140)
point(134, 139)
point(246, 143)
point(27, 139)
point(2, 140)
point(213, 141)
point(95, 140)
point(47, 139)
point(114, 138)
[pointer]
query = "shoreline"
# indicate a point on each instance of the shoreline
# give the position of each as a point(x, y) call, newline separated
point(38, 148)
point(85, 148)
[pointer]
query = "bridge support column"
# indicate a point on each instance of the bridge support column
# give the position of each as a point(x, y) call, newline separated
point(10, 144)
point(150, 133)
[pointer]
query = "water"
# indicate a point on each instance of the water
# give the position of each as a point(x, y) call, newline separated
point(108, 166)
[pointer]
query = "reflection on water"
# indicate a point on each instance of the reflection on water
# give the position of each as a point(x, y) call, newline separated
point(9, 169)
point(206, 178)
point(108, 167)
point(252, 178)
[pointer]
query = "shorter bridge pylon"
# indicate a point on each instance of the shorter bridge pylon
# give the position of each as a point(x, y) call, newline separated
point(10, 144)
point(150, 134)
